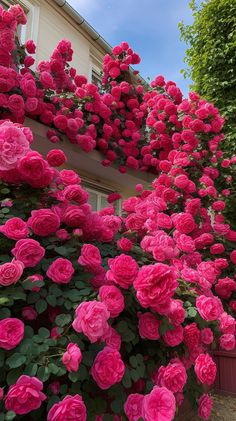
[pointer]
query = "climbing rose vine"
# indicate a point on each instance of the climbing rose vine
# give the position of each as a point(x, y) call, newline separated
point(106, 317)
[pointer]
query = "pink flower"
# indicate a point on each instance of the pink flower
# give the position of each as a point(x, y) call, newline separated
point(133, 407)
point(10, 272)
point(173, 377)
point(76, 194)
point(44, 222)
point(113, 298)
point(123, 270)
point(191, 335)
point(30, 46)
point(13, 145)
point(207, 336)
point(112, 338)
point(159, 405)
point(227, 323)
point(148, 326)
point(1, 393)
point(72, 357)
point(69, 177)
point(176, 312)
point(56, 158)
point(205, 369)
point(11, 333)
point(124, 244)
point(60, 271)
point(108, 368)
point(15, 228)
point(227, 342)
point(174, 337)
point(155, 285)
point(209, 308)
point(29, 252)
point(184, 222)
point(29, 313)
point(25, 395)
point(204, 406)
point(225, 287)
point(71, 407)
point(91, 319)
point(90, 257)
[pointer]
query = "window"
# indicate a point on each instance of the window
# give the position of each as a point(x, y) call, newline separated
point(96, 79)
point(96, 60)
point(98, 195)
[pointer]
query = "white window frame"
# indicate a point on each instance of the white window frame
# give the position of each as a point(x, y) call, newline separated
point(95, 65)
point(101, 192)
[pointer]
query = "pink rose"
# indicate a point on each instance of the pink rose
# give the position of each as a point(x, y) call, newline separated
point(13, 143)
point(55, 387)
point(108, 368)
point(209, 308)
point(205, 369)
point(70, 408)
point(30, 46)
point(44, 222)
point(60, 271)
point(34, 170)
point(10, 272)
point(15, 228)
point(225, 287)
point(76, 194)
point(69, 177)
point(155, 285)
point(184, 222)
point(148, 326)
point(227, 342)
point(72, 357)
point(91, 319)
point(112, 338)
point(1, 393)
point(159, 405)
point(25, 395)
point(173, 377)
point(29, 313)
point(113, 298)
point(125, 244)
point(204, 406)
point(90, 257)
point(29, 252)
point(123, 270)
point(56, 158)
point(176, 313)
point(133, 407)
point(227, 323)
point(174, 337)
point(207, 336)
point(11, 333)
point(191, 336)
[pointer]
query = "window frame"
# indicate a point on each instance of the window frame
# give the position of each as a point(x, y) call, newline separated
point(102, 192)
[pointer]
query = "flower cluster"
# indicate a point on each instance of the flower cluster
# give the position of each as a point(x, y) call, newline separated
point(104, 316)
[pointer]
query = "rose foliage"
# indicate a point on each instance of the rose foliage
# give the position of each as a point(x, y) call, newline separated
point(101, 316)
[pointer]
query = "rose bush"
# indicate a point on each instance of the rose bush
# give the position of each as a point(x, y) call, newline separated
point(103, 316)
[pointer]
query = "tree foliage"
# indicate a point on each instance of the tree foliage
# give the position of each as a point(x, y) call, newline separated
point(211, 57)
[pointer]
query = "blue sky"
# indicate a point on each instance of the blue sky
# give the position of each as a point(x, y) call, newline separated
point(149, 26)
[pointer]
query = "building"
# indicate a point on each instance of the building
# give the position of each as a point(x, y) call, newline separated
point(48, 22)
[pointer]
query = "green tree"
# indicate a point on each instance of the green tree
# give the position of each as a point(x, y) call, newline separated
point(211, 58)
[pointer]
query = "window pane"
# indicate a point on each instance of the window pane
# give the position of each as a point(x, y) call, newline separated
point(93, 200)
point(104, 203)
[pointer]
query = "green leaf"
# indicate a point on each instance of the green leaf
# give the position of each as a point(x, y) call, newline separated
point(10, 415)
point(63, 319)
point(31, 369)
point(52, 300)
point(53, 368)
point(41, 306)
point(43, 333)
point(43, 374)
point(16, 360)
point(13, 375)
